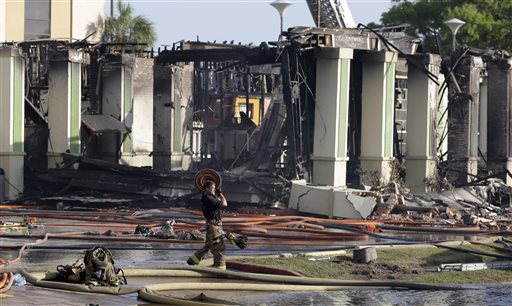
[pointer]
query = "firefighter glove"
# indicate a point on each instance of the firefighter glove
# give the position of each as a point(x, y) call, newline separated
point(238, 240)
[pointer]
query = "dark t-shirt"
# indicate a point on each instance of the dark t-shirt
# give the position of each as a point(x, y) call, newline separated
point(211, 207)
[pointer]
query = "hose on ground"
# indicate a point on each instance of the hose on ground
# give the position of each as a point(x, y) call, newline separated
point(283, 279)
point(199, 300)
point(457, 249)
point(355, 230)
point(78, 287)
point(8, 285)
point(4, 263)
point(266, 279)
point(5, 276)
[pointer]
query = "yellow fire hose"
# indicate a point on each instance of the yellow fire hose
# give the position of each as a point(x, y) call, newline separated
point(198, 300)
point(238, 281)
point(184, 270)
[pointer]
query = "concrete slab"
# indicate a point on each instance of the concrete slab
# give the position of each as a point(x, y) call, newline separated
point(363, 205)
point(329, 201)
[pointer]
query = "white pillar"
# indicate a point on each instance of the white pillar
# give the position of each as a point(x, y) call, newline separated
point(117, 101)
point(181, 94)
point(64, 104)
point(377, 119)
point(162, 92)
point(331, 116)
point(12, 124)
point(422, 101)
point(142, 127)
point(173, 88)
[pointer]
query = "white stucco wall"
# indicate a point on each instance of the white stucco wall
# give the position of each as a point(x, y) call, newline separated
point(2, 21)
point(86, 13)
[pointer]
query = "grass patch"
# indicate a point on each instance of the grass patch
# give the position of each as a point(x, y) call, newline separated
point(324, 268)
point(473, 277)
point(427, 257)
point(405, 264)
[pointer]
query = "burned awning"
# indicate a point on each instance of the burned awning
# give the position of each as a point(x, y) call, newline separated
point(98, 124)
point(219, 52)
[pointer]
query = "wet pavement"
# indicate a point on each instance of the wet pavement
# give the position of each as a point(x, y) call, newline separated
point(53, 252)
point(32, 295)
point(493, 294)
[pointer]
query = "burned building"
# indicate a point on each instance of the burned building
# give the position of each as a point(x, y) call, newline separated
point(321, 111)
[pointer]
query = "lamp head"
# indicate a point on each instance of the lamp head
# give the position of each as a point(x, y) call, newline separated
point(281, 5)
point(454, 24)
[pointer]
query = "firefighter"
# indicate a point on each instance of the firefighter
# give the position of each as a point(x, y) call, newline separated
point(213, 201)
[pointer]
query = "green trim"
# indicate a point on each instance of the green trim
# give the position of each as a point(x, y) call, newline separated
point(389, 109)
point(431, 127)
point(74, 108)
point(343, 107)
point(127, 106)
point(18, 115)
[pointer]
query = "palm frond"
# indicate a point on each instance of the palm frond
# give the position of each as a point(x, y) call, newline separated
point(126, 28)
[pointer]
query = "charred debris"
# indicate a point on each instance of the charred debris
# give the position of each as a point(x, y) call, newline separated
point(271, 141)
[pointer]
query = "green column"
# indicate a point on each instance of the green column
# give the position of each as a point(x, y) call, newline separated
point(12, 122)
point(377, 114)
point(331, 116)
point(343, 108)
point(75, 105)
point(18, 105)
point(389, 109)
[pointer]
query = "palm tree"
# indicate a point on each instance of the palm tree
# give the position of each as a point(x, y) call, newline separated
point(125, 28)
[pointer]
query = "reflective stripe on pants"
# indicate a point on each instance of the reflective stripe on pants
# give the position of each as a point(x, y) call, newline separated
point(214, 243)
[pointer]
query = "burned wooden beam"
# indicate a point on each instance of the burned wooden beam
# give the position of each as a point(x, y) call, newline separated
point(291, 153)
point(105, 177)
point(252, 55)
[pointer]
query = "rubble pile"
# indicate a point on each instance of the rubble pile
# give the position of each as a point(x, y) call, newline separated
point(92, 183)
point(486, 205)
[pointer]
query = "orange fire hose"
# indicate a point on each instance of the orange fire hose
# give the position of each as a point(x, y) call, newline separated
point(4, 279)
point(9, 283)
point(325, 237)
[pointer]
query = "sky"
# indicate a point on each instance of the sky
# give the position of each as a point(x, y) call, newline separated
point(243, 21)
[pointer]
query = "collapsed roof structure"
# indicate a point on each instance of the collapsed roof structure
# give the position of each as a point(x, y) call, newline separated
point(293, 121)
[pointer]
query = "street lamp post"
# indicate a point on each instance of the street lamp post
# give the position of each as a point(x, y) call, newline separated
point(281, 6)
point(454, 24)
